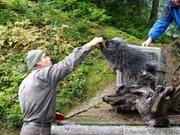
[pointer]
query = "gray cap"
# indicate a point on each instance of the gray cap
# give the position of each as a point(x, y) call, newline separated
point(32, 57)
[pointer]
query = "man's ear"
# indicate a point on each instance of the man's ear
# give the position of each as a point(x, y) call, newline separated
point(38, 63)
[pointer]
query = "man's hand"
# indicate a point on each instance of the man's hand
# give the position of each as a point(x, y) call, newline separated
point(147, 42)
point(95, 41)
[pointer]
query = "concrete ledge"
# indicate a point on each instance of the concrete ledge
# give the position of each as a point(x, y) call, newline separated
point(112, 130)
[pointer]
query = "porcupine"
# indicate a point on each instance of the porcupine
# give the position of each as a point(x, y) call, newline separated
point(129, 60)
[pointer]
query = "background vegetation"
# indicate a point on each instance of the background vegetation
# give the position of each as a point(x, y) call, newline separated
point(58, 26)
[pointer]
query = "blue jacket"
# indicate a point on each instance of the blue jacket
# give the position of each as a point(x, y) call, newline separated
point(170, 12)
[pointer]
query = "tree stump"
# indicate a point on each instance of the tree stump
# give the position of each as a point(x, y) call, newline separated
point(152, 105)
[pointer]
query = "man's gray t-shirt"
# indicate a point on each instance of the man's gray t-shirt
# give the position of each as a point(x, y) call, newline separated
point(37, 92)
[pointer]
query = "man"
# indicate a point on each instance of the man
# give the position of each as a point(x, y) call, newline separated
point(37, 92)
point(171, 11)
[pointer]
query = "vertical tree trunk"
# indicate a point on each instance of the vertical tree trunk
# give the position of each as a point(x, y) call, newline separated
point(154, 11)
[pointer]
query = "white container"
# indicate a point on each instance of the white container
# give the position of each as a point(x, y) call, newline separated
point(156, 54)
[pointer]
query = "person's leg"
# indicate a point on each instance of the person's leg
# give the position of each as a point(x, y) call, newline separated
point(34, 130)
point(45, 131)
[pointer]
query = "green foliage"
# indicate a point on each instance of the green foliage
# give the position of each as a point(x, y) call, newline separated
point(172, 30)
point(125, 16)
point(11, 10)
point(44, 11)
point(82, 9)
point(10, 110)
point(71, 90)
point(175, 51)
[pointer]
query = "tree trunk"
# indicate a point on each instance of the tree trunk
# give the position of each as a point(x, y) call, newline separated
point(154, 11)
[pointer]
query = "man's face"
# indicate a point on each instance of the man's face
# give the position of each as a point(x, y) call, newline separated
point(44, 61)
point(177, 2)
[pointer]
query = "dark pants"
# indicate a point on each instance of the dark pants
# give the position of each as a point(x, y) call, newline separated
point(35, 130)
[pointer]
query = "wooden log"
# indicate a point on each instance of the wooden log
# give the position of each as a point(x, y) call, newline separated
point(175, 106)
point(154, 113)
point(152, 105)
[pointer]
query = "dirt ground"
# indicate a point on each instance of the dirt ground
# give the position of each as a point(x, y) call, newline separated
point(173, 71)
point(172, 53)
